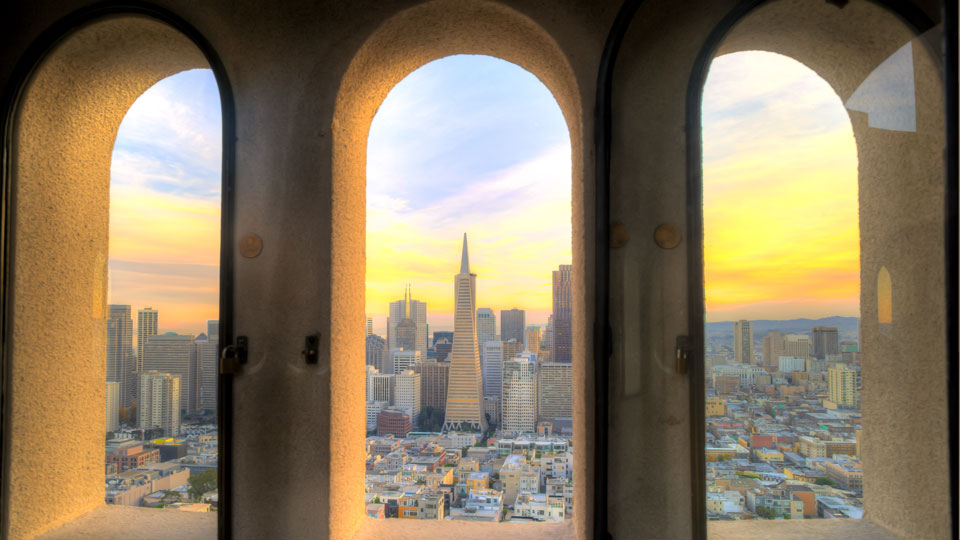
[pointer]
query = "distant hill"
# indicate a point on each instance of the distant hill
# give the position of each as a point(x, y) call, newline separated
point(848, 327)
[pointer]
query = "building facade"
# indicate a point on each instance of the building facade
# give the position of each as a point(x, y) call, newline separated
point(465, 391)
point(826, 341)
point(562, 348)
point(433, 383)
point(492, 367)
point(113, 406)
point(159, 403)
point(148, 320)
point(519, 400)
point(742, 342)
point(555, 392)
point(121, 367)
point(513, 324)
point(177, 354)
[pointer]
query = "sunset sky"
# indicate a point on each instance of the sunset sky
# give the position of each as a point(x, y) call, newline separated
point(477, 145)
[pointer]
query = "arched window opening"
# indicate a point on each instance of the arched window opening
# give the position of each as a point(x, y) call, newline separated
point(782, 290)
point(101, 215)
point(163, 295)
point(469, 384)
point(884, 296)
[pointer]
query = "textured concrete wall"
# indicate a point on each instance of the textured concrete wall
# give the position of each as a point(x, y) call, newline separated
point(900, 219)
point(65, 131)
point(307, 78)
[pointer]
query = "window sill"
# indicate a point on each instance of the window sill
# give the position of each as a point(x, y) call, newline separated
point(415, 529)
point(848, 529)
point(112, 522)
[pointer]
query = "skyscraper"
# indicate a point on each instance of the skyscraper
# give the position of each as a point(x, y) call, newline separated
point(177, 354)
point(465, 391)
point(492, 367)
point(401, 361)
point(519, 401)
point(842, 385)
point(774, 346)
point(121, 367)
point(376, 351)
point(407, 394)
point(147, 323)
point(826, 341)
point(555, 392)
point(513, 324)
point(417, 313)
point(159, 404)
point(562, 348)
point(486, 325)
point(742, 342)
point(207, 363)
point(369, 326)
point(113, 406)
point(406, 328)
point(433, 383)
point(533, 339)
point(511, 349)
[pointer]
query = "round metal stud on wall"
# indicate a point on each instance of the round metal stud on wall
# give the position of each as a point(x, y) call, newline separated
point(251, 245)
point(667, 236)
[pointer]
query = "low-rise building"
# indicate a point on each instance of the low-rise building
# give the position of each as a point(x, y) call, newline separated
point(539, 506)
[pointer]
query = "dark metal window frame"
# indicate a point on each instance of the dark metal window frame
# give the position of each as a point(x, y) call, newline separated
point(914, 18)
point(37, 51)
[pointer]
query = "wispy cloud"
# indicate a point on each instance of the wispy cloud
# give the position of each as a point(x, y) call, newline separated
point(165, 202)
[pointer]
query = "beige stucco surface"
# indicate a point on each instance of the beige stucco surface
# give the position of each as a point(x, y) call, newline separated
point(56, 352)
point(307, 78)
point(109, 522)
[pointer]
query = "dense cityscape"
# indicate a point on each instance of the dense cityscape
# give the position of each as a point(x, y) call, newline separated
point(783, 420)
point(474, 425)
point(161, 447)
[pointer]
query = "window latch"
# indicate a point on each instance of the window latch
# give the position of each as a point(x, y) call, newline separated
point(311, 349)
point(233, 357)
point(684, 348)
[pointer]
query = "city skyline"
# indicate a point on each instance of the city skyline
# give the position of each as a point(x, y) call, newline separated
point(167, 157)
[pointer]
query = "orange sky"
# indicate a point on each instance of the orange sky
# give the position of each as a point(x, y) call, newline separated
point(781, 236)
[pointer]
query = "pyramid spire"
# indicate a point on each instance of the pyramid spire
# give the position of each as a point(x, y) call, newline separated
point(464, 258)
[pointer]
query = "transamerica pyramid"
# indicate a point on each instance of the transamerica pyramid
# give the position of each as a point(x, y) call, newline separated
point(464, 389)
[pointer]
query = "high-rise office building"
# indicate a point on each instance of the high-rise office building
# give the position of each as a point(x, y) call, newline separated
point(433, 383)
point(159, 403)
point(417, 313)
point(555, 393)
point(492, 367)
point(562, 348)
point(369, 326)
point(376, 351)
point(742, 342)
point(486, 326)
point(442, 348)
point(380, 387)
point(121, 367)
point(113, 406)
point(406, 394)
point(511, 349)
point(826, 341)
point(148, 320)
point(465, 389)
point(513, 324)
point(774, 346)
point(406, 329)
point(519, 398)
point(177, 354)
point(797, 345)
point(401, 360)
point(533, 339)
point(207, 366)
point(842, 386)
